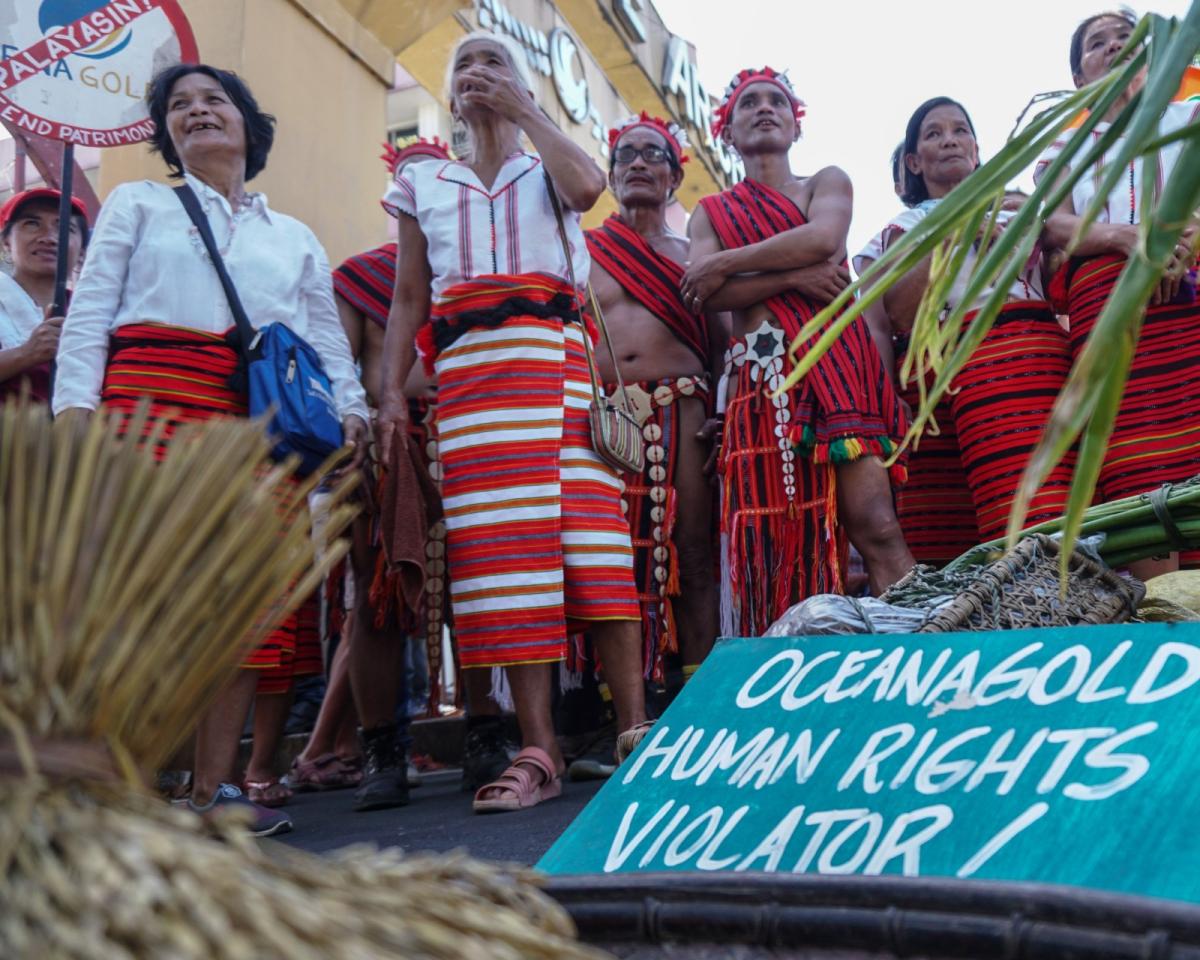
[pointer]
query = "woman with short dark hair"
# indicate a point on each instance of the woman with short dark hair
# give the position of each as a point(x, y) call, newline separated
point(150, 319)
point(1156, 436)
point(29, 243)
point(999, 403)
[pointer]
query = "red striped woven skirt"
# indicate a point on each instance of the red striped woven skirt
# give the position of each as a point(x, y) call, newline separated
point(185, 374)
point(1156, 437)
point(302, 660)
point(935, 509)
point(778, 508)
point(536, 542)
point(651, 506)
point(1001, 402)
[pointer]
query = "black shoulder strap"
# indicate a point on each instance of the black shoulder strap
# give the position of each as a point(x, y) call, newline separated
point(192, 205)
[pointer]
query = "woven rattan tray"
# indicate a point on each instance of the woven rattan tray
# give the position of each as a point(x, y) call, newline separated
point(1021, 589)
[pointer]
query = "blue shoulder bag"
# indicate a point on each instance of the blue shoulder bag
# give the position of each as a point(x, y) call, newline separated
point(280, 371)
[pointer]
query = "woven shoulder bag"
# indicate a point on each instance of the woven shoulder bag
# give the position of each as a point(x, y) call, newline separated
point(616, 434)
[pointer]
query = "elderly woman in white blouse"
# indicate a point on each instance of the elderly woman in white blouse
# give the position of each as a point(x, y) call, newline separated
point(537, 546)
point(149, 318)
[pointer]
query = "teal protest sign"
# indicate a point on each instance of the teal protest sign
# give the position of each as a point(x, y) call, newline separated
point(1061, 756)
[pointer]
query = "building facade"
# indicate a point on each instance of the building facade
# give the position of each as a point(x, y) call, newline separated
point(343, 75)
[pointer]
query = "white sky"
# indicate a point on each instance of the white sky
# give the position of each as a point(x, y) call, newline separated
point(863, 67)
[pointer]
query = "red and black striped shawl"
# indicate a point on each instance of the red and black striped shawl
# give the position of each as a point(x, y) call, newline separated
point(650, 278)
point(846, 406)
point(366, 280)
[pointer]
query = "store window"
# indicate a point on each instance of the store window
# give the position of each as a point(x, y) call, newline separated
point(402, 136)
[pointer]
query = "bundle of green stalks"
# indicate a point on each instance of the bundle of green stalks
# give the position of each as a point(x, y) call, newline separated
point(940, 346)
point(130, 592)
point(1131, 529)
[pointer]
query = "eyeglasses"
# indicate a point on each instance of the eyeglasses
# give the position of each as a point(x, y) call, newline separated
point(650, 154)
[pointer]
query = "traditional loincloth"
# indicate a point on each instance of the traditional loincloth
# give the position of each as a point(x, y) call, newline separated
point(536, 542)
point(1156, 436)
point(650, 505)
point(778, 507)
point(388, 606)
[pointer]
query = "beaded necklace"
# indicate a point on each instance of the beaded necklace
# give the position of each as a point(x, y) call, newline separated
point(239, 211)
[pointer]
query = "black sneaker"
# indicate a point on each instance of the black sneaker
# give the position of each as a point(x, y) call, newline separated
point(385, 770)
point(264, 822)
point(486, 753)
point(598, 761)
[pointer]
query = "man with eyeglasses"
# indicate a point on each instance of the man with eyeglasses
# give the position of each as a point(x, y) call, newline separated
point(803, 466)
point(667, 355)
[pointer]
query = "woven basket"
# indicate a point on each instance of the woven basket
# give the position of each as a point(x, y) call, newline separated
point(1021, 589)
point(770, 916)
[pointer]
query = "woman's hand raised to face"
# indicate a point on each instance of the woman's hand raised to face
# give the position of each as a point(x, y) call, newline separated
point(481, 88)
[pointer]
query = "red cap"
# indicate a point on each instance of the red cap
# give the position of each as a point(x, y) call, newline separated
point(18, 200)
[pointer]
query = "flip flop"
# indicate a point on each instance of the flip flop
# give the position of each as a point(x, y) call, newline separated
point(516, 788)
point(267, 793)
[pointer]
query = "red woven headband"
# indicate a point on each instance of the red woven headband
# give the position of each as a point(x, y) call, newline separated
point(671, 131)
point(744, 79)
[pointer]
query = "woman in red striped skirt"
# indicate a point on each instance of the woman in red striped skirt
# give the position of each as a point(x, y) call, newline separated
point(1000, 401)
point(934, 506)
point(149, 319)
point(536, 542)
point(1156, 437)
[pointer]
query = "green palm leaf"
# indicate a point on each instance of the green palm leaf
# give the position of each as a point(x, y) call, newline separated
point(941, 342)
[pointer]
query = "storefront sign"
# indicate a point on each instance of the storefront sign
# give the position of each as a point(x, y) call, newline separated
point(1061, 755)
point(629, 14)
point(566, 70)
point(77, 70)
point(681, 80)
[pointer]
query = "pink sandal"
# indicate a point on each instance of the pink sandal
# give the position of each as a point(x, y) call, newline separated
point(517, 788)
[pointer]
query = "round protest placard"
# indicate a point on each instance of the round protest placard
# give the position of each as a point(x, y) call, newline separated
point(77, 70)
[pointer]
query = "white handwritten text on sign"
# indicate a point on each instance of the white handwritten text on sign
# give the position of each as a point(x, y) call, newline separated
point(1054, 755)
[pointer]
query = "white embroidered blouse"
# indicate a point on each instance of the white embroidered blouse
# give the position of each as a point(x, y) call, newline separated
point(1027, 286)
point(1124, 203)
point(146, 263)
point(472, 231)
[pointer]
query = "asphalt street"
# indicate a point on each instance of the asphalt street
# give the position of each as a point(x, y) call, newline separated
point(438, 819)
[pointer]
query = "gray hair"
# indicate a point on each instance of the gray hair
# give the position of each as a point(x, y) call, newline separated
point(514, 53)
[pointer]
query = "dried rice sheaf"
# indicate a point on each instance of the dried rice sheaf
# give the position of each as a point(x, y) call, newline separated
point(123, 584)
